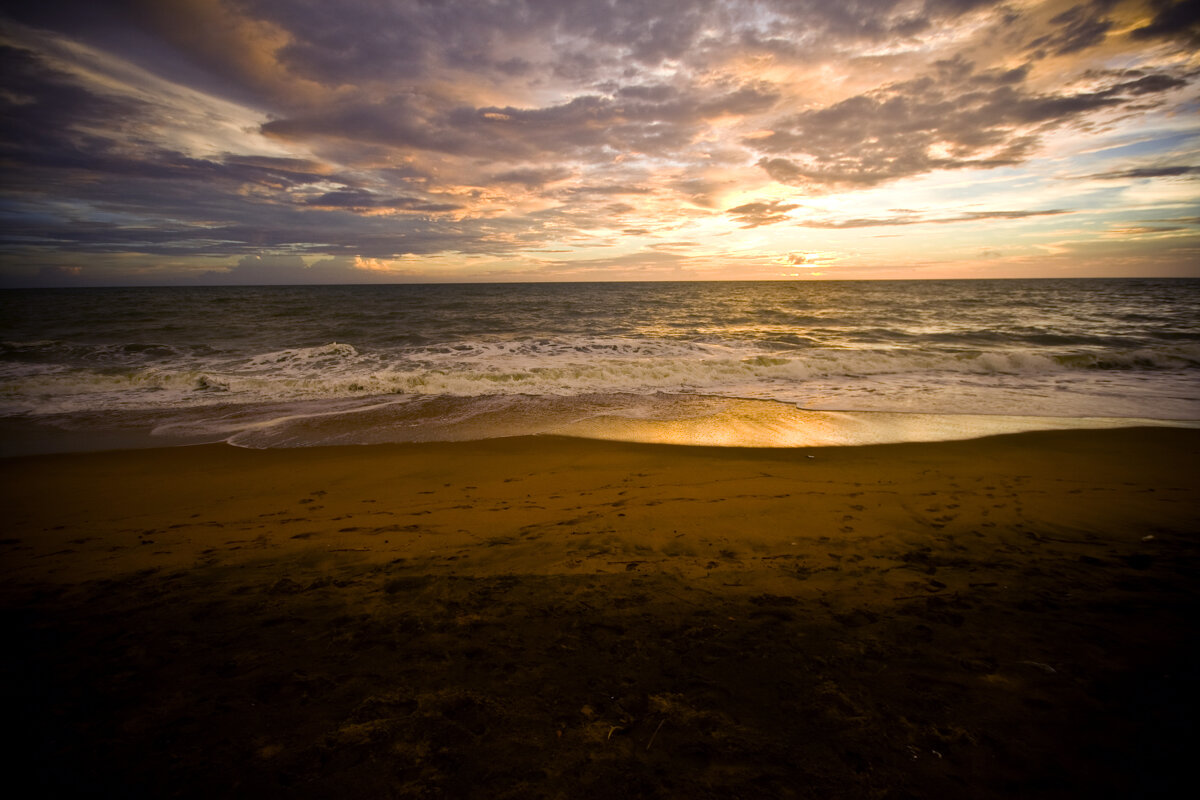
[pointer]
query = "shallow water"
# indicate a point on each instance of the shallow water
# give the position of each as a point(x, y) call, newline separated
point(294, 366)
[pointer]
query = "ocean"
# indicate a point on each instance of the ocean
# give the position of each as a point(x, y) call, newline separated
point(741, 364)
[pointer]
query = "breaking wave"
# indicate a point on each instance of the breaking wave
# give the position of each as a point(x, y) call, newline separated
point(148, 376)
point(339, 364)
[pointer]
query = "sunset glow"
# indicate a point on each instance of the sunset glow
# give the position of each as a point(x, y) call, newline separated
point(258, 141)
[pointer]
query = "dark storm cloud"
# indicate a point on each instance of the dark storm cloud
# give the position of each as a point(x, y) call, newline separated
point(308, 232)
point(47, 117)
point(196, 43)
point(80, 174)
point(54, 128)
point(955, 118)
point(199, 218)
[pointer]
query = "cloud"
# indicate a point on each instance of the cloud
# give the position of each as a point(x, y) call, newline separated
point(275, 270)
point(1173, 19)
point(610, 190)
point(1142, 230)
point(60, 276)
point(809, 259)
point(1145, 172)
point(531, 177)
point(361, 199)
point(353, 43)
point(1077, 28)
point(914, 218)
point(47, 115)
point(752, 215)
point(218, 129)
point(957, 117)
point(591, 127)
point(639, 265)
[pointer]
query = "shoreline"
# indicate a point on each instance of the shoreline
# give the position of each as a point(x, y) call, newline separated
point(699, 420)
point(549, 616)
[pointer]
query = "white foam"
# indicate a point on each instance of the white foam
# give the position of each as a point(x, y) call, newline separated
point(746, 426)
point(661, 418)
point(1135, 383)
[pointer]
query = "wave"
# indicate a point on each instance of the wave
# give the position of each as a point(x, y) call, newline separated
point(149, 375)
point(660, 418)
point(58, 351)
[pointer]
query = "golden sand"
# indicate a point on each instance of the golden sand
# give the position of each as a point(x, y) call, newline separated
point(552, 617)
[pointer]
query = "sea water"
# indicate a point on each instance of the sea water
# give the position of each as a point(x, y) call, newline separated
point(754, 363)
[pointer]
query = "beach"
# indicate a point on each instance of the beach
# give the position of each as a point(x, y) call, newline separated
point(521, 400)
point(1011, 616)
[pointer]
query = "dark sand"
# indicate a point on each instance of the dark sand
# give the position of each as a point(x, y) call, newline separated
point(544, 617)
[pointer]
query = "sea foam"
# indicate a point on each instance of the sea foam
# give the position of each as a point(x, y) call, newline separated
point(480, 359)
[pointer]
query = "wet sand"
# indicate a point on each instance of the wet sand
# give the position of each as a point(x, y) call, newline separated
point(549, 617)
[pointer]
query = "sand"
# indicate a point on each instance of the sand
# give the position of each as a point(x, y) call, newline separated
point(548, 617)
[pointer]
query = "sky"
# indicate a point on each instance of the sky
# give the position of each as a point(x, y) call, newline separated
point(313, 141)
